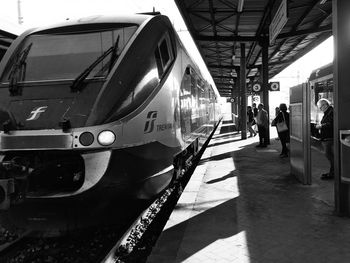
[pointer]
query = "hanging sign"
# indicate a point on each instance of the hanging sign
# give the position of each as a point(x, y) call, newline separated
point(278, 21)
point(274, 86)
point(256, 87)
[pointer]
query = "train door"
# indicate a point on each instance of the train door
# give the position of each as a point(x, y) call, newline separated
point(300, 149)
point(186, 104)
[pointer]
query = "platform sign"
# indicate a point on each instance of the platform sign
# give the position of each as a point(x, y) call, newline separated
point(278, 22)
point(274, 86)
point(256, 99)
point(257, 87)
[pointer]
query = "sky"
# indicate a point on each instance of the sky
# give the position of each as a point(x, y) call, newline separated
point(43, 12)
point(300, 71)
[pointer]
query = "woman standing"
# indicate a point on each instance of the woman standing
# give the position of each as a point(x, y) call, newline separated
point(251, 121)
point(283, 134)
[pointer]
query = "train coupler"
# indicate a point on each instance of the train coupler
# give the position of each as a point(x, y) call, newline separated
point(13, 183)
point(7, 188)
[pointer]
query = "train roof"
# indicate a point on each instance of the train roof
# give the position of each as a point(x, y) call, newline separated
point(137, 19)
point(321, 72)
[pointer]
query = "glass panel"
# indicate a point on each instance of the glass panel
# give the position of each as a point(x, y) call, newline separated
point(65, 56)
point(164, 53)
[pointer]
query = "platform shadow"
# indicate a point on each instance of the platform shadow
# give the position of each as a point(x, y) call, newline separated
point(204, 224)
point(223, 142)
point(274, 218)
point(223, 178)
point(216, 157)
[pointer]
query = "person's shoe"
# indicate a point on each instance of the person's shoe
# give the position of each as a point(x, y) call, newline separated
point(283, 155)
point(327, 176)
point(259, 146)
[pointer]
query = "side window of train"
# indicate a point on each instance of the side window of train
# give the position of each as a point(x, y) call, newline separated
point(164, 54)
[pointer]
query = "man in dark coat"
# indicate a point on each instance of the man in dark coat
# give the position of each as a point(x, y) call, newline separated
point(282, 116)
point(262, 121)
point(326, 131)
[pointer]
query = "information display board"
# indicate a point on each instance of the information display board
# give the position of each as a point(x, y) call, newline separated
point(300, 150)
point(296, 131)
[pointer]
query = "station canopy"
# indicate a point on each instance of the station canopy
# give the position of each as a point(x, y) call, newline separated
point(290, 28)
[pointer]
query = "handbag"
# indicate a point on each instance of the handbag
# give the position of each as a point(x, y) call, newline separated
point(282, 126)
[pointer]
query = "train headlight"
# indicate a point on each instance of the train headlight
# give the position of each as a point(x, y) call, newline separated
point(86, 138)
point(106, 138)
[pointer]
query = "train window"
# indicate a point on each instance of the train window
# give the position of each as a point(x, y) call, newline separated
point(164, 54)
point(159, 63)
point(65, 55)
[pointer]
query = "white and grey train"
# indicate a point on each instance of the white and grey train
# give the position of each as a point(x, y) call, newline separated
point(95, 109)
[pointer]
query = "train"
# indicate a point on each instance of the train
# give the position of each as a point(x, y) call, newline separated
point(321, 86)
point(96, 109)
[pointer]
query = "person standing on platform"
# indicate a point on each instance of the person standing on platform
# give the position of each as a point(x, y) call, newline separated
point(283, 135)
point(255, 113)
point(326, 132)
point(262, 121)
point(251, 121)
point(277, 110)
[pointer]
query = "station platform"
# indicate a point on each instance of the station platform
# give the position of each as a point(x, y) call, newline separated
point(242, 205)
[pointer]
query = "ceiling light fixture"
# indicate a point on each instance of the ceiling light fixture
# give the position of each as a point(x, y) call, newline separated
point(240, 5)
point(322, 2)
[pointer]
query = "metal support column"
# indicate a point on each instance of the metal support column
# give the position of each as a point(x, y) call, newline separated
point(265, 81)
point(239, 101)
point(243, 93)
point(341, 21)
point(234, 105)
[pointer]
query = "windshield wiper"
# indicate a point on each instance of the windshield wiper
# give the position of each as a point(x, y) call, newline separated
point(78, 82)
point(18, 71)
point(114, 54)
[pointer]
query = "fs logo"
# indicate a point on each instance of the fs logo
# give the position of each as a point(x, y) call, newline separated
point(35, 113)
point(149, 125)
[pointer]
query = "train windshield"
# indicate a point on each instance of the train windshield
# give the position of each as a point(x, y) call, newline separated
point(63, 56)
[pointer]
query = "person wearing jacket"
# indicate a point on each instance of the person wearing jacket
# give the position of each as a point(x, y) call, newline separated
point(283, 116)
point(326, 132)
point(255, 114)
point(262, 120)
point(251, 121)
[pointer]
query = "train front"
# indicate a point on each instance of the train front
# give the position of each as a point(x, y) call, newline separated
point(55, 146)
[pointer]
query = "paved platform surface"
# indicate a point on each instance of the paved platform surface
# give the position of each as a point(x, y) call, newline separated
point(243, 206)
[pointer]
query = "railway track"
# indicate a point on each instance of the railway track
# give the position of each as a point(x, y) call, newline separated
point(128, 243)
point(130, 240)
